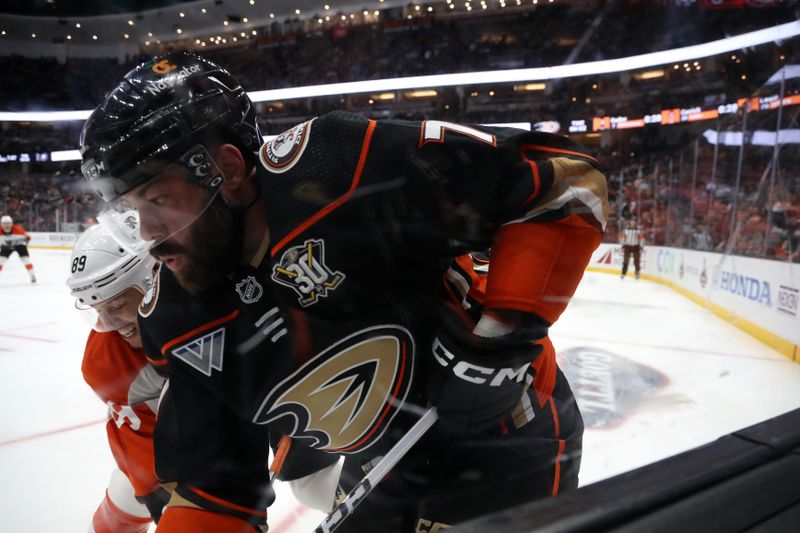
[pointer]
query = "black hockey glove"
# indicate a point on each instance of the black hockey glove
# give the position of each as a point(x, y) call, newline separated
point(477, 381)
point(155, 502)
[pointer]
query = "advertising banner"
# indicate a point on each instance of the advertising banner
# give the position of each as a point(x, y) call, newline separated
point(743, 290)
point(57, 241)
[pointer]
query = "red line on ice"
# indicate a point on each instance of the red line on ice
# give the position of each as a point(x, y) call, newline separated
point(27, 327)
point(49, 433)
point(26, 338)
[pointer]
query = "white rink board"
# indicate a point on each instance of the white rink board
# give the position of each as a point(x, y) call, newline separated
point(764, 292)
point(41, 239)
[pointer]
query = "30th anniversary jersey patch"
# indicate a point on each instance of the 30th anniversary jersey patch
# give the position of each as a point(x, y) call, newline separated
point(303, 269)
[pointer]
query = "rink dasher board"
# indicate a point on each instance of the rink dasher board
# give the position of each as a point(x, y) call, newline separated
point(758, 296)
point(52, 240)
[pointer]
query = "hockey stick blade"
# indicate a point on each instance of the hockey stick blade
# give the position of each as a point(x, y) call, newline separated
point(365, 486)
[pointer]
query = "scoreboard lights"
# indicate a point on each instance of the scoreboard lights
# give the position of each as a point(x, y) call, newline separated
point(787, 101)
point(664, 117)
point(678, 115)
point(578, 126)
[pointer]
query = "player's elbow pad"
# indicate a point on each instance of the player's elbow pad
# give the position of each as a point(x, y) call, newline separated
point(318, 490)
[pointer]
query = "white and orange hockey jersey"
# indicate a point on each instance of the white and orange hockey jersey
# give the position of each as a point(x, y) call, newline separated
point(121, 376)
point(15, 237)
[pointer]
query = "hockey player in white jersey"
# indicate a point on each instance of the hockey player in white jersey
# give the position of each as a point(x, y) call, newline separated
point(108, 284)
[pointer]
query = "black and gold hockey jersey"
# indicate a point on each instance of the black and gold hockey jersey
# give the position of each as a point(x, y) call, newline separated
point(325, 337)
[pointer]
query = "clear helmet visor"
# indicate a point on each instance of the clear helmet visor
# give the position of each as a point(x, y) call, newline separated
point(170, 198)
point(98, 320)
point(103, 319)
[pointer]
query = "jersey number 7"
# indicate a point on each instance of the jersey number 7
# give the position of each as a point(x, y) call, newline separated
point(434, 131)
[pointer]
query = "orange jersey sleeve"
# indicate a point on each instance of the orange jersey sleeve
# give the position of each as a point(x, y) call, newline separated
point(536, 267)
point(16, 229)
point(539, 259)
point(130, 387)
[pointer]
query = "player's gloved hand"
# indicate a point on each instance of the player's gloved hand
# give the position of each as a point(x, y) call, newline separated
point(477, 381)
point(155, 502)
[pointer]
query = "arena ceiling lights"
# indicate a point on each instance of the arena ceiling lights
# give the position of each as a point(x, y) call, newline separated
point(755, 38)
point(653, 59)
point(746, 40)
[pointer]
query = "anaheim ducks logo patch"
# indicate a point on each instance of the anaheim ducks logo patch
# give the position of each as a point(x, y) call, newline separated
point(151, 296)
point(343, 399)
point(284, 151)
point(303, 269)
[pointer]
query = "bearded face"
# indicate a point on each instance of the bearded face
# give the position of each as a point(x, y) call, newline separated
point(205, 251)
point(191, 225)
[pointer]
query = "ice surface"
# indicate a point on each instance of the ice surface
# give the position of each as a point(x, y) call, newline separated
point(667, 375)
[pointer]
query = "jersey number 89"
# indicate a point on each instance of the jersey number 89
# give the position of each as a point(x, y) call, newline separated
point(78, 264)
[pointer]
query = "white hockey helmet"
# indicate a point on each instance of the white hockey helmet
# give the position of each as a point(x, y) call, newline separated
point(101, 268)
point(6, 221)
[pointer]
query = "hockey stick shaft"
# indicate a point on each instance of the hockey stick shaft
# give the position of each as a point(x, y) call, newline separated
point(365, 486)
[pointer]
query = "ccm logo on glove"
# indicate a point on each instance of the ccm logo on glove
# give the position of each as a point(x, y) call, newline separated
point(474, 373)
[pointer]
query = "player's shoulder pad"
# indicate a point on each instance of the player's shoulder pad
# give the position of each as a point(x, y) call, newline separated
point(562, 146)
point(283, 151)
point(150, 299)
point(331, 133)
point(105, 355)
point(94, 344)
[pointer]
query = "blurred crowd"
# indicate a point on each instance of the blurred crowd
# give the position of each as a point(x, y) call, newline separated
point(33, 138)
point(296, 53)
point(701, 212)
point(663, 194)
point(48, 202)
point(653, 186)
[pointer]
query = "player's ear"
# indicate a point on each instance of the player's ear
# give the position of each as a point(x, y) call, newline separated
point(232, 164)
point(237, 189)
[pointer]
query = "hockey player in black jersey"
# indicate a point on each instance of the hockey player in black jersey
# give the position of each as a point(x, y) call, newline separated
point(318, 285)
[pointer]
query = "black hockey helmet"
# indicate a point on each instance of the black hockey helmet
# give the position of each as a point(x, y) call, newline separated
point(159, 111)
